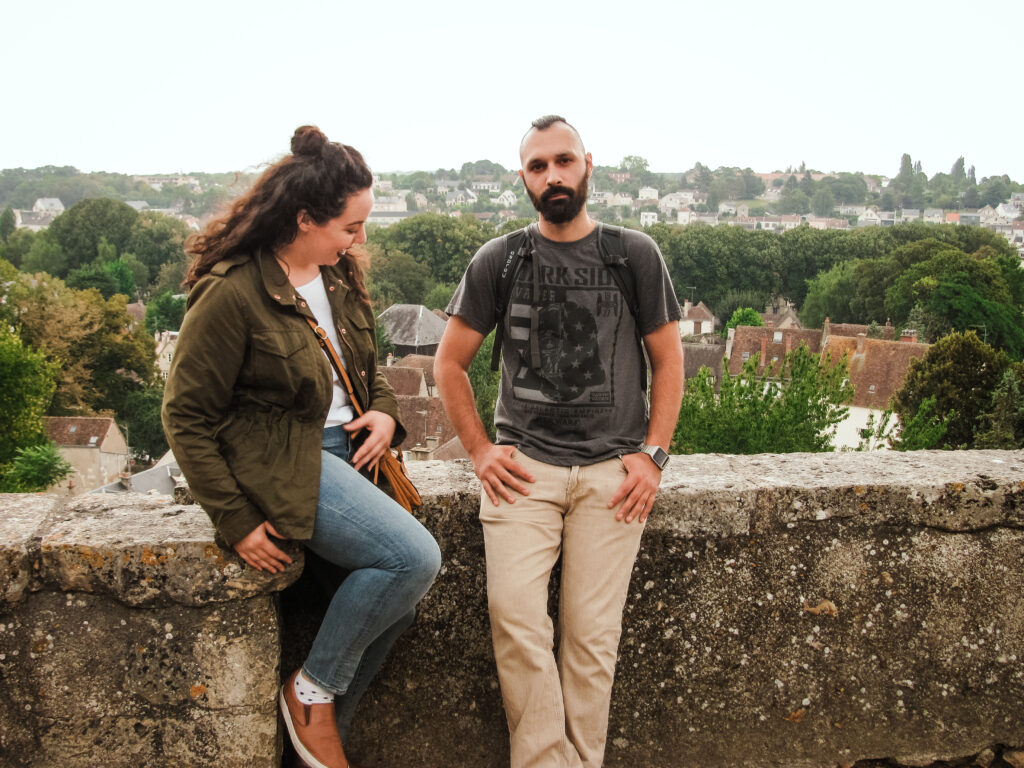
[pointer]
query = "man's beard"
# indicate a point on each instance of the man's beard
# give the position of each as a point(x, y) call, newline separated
point(564, 209)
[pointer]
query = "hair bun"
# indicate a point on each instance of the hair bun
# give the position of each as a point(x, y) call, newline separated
point(308, 140)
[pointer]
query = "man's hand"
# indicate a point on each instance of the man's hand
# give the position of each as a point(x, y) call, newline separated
point(636, 493)
point(498, 472)
point(260, 552)
point(381, 430)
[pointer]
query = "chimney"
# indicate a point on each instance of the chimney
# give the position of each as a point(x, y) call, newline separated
point(860, 343)
point(764, 350)
point(432, 442)
point(909, 334)
point(687, 306)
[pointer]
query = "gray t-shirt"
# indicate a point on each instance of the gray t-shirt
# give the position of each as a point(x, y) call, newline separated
point(572, 389)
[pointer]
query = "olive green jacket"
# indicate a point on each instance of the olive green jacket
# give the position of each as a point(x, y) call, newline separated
point(249, 390)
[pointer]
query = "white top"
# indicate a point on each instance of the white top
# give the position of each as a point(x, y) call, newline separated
point(316, 297)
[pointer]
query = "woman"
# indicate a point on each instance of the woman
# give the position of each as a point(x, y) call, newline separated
point(263, 431)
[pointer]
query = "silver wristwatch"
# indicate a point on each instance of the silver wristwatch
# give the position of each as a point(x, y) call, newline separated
point(657, 454)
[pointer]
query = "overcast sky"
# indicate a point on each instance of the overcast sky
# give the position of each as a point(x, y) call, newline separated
point(138, 87)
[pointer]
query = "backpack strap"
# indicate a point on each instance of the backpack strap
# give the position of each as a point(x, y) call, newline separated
point(611, 245)
point(518, 245)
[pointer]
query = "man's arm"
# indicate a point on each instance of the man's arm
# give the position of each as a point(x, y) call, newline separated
point(499, 473)
point(637, 492)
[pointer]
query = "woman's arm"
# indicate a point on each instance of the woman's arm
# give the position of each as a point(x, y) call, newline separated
point(207, 360)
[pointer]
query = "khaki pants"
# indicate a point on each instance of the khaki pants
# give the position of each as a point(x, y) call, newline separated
point(558, 712)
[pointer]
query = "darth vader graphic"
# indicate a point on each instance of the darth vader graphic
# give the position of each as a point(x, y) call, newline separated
point(567, 334)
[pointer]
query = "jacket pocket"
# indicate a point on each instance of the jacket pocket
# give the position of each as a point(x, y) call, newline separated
point(279, 365)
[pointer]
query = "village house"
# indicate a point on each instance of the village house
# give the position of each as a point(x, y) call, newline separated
point(506, 199)
point(94, 446)
point(647, 195)
point(648, 218)
point(697, 320)
point(877, 368)
point(389, 204)
point(166, 341)
point(412, 328)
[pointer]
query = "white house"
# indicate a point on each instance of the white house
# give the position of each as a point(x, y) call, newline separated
point(648, 218)
point(647, 193)
point(390, 204)
point(506, 198)
point(48, 205)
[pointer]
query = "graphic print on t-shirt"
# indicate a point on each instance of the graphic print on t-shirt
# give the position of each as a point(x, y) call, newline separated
point(574, 369)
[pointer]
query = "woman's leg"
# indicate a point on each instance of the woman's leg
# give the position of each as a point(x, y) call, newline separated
point(373, 659)
point(392, 560)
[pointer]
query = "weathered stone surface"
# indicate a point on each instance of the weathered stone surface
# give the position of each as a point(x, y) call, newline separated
point(22, 515)
point(721, 662)
point(146, 549)
point(801, 610)
point(88, 680)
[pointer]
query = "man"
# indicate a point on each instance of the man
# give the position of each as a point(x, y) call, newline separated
point(578, 458)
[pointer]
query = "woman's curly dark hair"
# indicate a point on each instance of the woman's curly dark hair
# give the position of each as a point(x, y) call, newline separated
point(318, 177)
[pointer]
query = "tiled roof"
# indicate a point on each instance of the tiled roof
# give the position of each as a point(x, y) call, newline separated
point(852, 329)
point(78, 431)
point(405, 381)
point(411, 325)
point(877, 371)
point(756, 340)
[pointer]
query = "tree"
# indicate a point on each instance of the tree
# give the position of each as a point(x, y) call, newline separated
point(165, 313)
point(80, 229)
point(744, 316)
point(439, 296)
point(1002, 425)
point(798, 411)
point(444, 245)
point(156, 240)
point(822, 202)
point(93, 276)
point(385, 346)
point(7, 223)
point(35, 469)
point(961, 372)
point(45, 255)
point(28, 386)
point(18, 244)
point(100, 358)
point(140, 415)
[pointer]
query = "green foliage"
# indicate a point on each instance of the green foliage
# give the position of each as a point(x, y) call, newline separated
point(798, 411)
point(395, 277)
point(165, 313)
point(156, 240)
point(80, 230)
point(28, 386)
point(140, 417)
point(7, 223)
point(18, 244)
point(439, 296)
point(45, 255)
point(485, 384)
point(385, 346)
point(961, 373)
point(1002, 425)
point(93, 276)
point(100, 359)
point(442, 244)
point(35, 469)
point(744, 316)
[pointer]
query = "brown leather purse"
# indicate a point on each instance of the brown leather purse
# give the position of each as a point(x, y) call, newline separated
point(389, 474)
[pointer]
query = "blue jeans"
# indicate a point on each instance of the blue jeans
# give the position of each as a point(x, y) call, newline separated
point(392, 560)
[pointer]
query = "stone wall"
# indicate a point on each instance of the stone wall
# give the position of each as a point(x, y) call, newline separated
point(799, 610)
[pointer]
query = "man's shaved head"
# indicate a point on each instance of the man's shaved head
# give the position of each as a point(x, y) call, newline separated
point(545, 122)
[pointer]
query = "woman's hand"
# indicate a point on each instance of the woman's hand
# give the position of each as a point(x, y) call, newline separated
point(260, 552)
point(381, 429)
